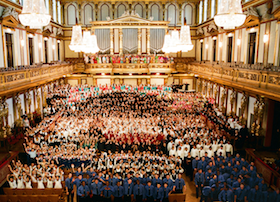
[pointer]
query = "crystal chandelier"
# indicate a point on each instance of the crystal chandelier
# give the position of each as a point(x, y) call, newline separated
point(185, 38)
point(166, 44)
point(77, 38)
point(230, 14)
point(175, 41)
point(34, 14)
point(89, 43)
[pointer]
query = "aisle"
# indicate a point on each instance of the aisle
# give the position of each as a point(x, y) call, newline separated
point(190, 193)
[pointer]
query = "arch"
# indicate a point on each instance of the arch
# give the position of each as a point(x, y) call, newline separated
point(120, 8)
point(171, 11)
point(155, 11)
point(88, 13)
point(104, 11)
point(71, 13)
point(139, 8)
point(188, 13)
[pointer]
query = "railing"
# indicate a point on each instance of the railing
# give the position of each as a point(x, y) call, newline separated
point(270, 176)
point(266, 81)
point(21, 77)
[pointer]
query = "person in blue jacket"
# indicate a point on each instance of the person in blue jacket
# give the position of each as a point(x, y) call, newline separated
point(118, 192)
point(96, 189)
point(199, 182)
point(240, 194)
point(166, 192)
point(156, 180)
point(226, 195)
point(149, 191)
point(106, 192)
point(168, 181)
point(158, 193)
point(180, 184)
point(128, 190)
point(205, 195)
point(83, 192)
point(138, 191)
point(255, 195)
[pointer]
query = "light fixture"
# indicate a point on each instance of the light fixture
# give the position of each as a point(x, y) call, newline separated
point(166, 44)
point(175, 41)
point(103, 74)
point(201, 40)
point(89, 43)
point(252, 29)
point(46, 38)
point(130, 74)
point(30, 35)
point(58, 41)
point(230, 35)
point(77, 38)
point(34, 14)
point(8, 30)
point(220, 44)
point(214, 38)
point(158, 74)
point(185, 38)
point(238, 42)
point(230, 14)
point(22, 42)
point(265, 38)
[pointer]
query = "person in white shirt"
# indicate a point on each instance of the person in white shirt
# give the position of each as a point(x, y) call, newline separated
point(173, 151)
point(180, 153)
point(201, 152)
point(40, 183)
point(11, 181)
point(50, 182)
point(194, 152)
point(228, 148)
point(27, 183)
point(57, 182)
point(20, 184)
point(221, 151)
point(210, 152)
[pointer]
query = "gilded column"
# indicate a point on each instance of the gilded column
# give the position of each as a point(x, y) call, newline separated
point(121, 41)
point(111, 41)
point(139, 41)
point(148, 41)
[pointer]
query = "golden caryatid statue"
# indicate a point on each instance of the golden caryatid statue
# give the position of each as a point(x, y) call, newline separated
point(18, 106)
point(216, 88)
point(209, 88)
point(38, 98)
point(223, 97)
point(204, 84)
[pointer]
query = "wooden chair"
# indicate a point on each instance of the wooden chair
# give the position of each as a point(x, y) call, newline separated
point(9, 191)
point(24, 198)
point(57, 192)
point(43, 198)
point(29, 192)
point(53, 198)
point(48, 191)
point(39, 191)
point(3, 198)
point(21, 192)
point(33, 198)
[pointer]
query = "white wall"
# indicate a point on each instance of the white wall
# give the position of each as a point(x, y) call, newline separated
point(103, 81)
point(157, 81)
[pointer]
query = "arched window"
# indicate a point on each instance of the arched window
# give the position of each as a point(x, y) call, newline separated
point(104, 12)
point(88, 14)
point(139, 9)
point(200, 12)
point(71, 15)
point(155, 12)
point(205, 10)
point(213, 5)
point(171, 14)
point(188, 14)
point(121, 9)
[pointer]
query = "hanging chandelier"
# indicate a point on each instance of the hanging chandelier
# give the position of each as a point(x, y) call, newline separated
point(175, 41)
point(230, 14)
point(185, 38)
point(34, 14)
point(166, 44)
point(77, 38)
point(89, 43)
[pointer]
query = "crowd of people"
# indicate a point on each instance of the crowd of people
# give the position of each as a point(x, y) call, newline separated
point(127, 58)
point(135, 146)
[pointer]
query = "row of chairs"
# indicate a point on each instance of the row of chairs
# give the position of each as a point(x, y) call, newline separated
point(30, 192)
point(29, 198)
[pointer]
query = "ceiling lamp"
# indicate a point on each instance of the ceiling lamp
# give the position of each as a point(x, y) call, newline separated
point(185, 38)
point(90, 43)
point(166, 44)
point(175, 41)
point(34, 14)
point(77, 38)
point(230, 14)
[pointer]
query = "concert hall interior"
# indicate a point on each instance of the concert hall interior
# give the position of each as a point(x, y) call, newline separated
point(139, 101)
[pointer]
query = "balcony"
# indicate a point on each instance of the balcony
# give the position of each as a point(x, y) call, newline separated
point(14, 79)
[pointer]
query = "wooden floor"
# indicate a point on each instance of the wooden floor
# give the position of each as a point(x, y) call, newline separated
point(190, 193)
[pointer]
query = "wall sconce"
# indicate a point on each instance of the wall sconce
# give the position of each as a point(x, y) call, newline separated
point(201, 40)
point(8, 30)
point(157, 74)
point(30, 35)
point(206, 46)
point(214, 38)
point(230, 34)
point(46, 38)
point(103, 74)
point(252, 29)
point(220, 44)
point(58, 41)
point(238, 42)
point(265, 38)
point(22, 42)
point(130, 74)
